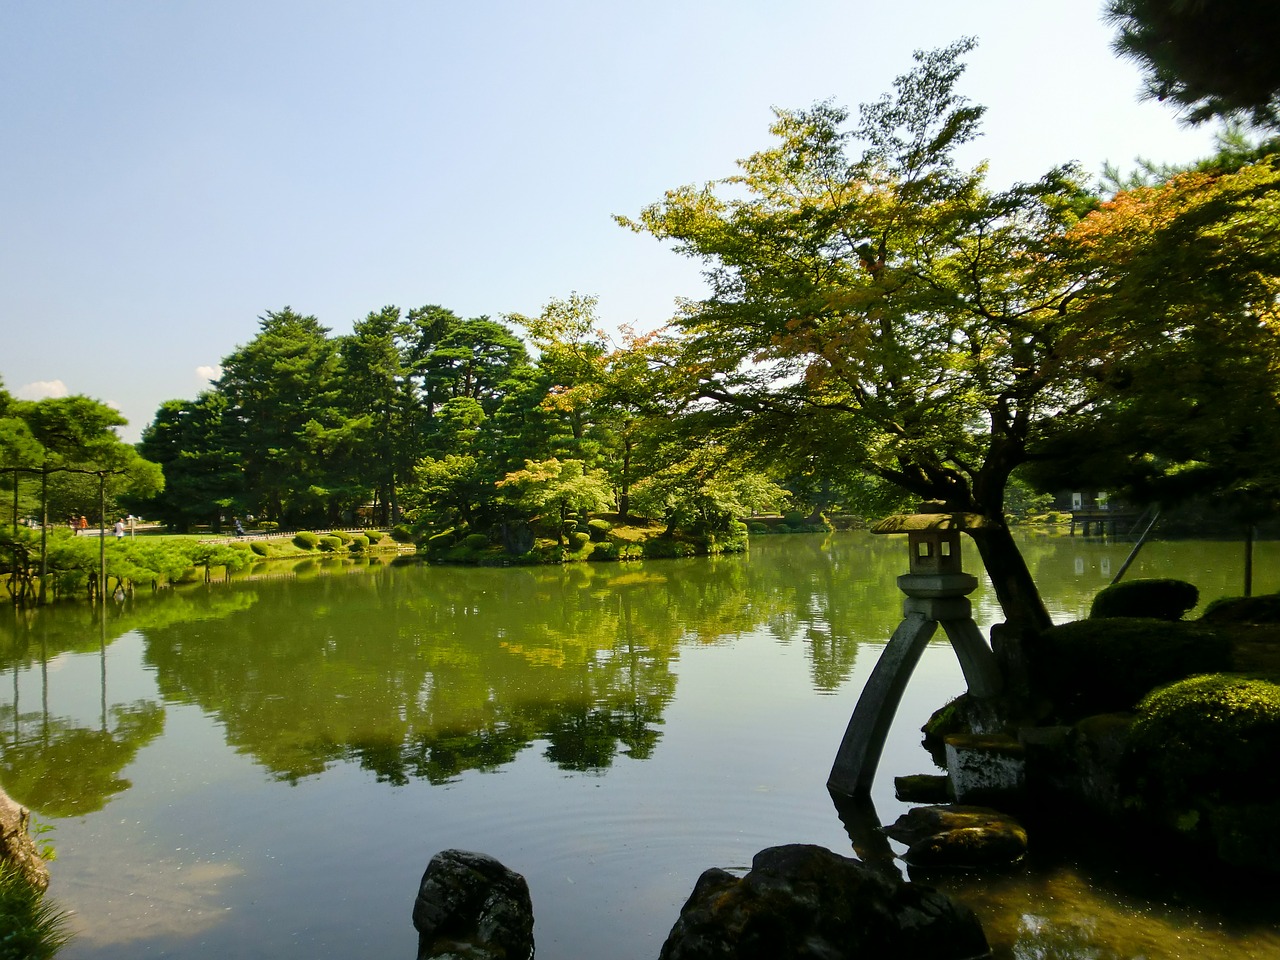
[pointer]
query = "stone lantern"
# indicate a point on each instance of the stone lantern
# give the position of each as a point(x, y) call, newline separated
point(937, 590)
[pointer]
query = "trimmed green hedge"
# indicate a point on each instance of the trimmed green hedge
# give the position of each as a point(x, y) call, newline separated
point(1202, 758)
point(1156, 599)
point(306, 540)
point(329, 543)
point(1102, 666)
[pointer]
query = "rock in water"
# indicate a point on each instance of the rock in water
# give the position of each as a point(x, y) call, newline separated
point(804, 902)
point(471, 906)
point(16, 845)
point(959, 836)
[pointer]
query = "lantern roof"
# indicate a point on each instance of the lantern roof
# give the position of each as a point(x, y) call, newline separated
point(940, 522)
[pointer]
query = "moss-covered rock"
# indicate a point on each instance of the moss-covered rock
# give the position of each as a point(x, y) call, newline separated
point(959, 836)
point(1102, 666)
point(1152, 599)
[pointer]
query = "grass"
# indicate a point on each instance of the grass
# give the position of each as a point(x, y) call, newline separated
point(31, 926)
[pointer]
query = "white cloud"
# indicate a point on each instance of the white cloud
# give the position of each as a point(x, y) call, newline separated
point(40, 389)
point(209, 373)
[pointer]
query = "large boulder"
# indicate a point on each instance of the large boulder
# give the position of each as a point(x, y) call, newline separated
point(471, 906)
point(804, 902)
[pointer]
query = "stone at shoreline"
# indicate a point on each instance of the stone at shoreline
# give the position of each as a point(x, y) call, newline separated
point(16, 845)
point(959, 836)
point(471, 906)
point(804, 902)
point(923, 788)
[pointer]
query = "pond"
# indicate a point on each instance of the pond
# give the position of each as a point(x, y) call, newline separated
point(263, 768)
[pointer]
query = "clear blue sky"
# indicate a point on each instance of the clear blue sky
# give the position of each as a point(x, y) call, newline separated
point(172, 170)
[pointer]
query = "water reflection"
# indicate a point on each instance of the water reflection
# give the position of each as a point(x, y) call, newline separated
point(388, 689)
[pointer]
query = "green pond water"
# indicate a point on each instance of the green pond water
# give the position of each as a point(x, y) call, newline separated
point(263, 768)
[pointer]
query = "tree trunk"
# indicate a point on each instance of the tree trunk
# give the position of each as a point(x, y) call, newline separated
point(44, 529)
point(624, 492)
point(1015, 589)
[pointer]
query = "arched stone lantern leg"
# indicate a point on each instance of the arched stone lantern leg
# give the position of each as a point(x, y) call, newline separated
point(937, 590)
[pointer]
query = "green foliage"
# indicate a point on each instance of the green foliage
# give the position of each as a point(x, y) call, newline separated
point(599, 529)
point(1264, 609)
point(1202, 756)
point(793, 518)
point(1103, 666)
point(605, 550)
point(374, 536)
point(705, 490)
point(341, 535)
point(268, 526)
point(1207, 59)
point(873, 303)
point(401, 534)
point(1157, 599)
point(306, 540)
point(555, 488)
point(577, 540)
point(440, 541)
point(329, 543)
point(261, 548)
point(758, 528)
point(32, 927)
point(358, 543)
point(476, 541)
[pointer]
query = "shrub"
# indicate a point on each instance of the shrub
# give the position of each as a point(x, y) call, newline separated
point(306, 540)
point(31, 927)
point(261, 548)
point(1162, 599)
point(1101, 666)
point(476, 541)
point(577, 540)
point(1213, 736)
point(599, 529)
point(342, 535)
point(793, 518)
point(440, 541)
point(1264, 609)
point(401, 534)
point(330, 543)
point(758, 528)
point(604, 551)
point(358, 543)
point(1201, 757)
point(268, 526)
point(374, 536)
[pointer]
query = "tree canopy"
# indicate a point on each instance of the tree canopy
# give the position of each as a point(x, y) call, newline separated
point(1209, 58)
point(872, 299)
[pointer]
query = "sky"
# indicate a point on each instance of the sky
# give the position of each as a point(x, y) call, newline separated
point(171, 170)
